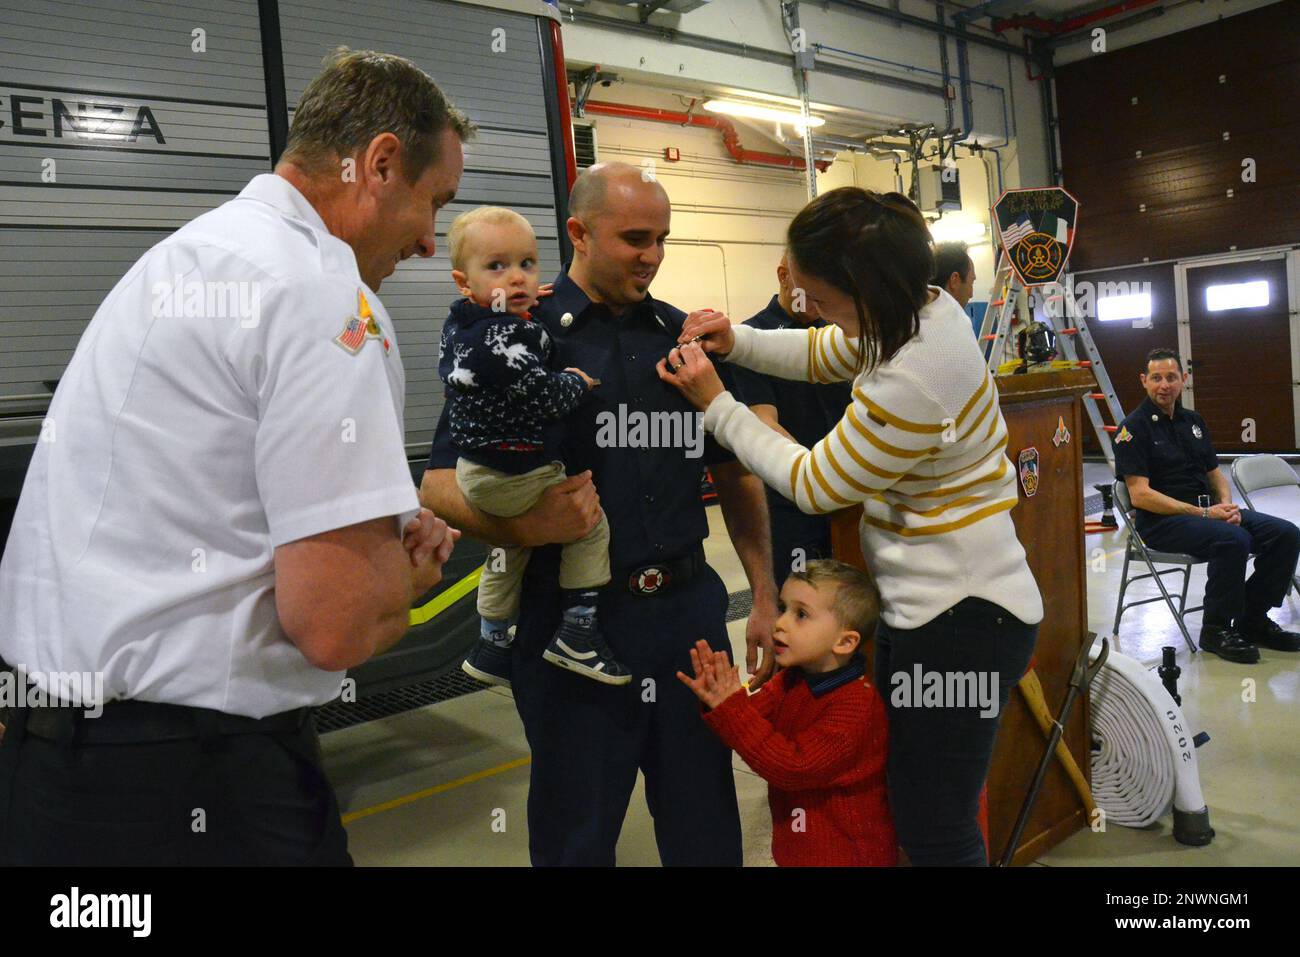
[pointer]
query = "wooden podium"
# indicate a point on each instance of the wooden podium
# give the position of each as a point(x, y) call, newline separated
point(1050, 527)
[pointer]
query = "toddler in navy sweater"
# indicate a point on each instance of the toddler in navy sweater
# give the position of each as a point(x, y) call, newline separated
point(503, 390)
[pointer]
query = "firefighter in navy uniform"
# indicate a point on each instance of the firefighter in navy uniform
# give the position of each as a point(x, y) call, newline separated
point(803, 411)
point(587, 739)
point(1164, 455)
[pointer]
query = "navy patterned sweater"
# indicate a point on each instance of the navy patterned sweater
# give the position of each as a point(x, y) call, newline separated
point(501, 389)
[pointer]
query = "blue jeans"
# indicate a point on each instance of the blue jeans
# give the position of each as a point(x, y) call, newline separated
point(939, 750)
point(1229, 596)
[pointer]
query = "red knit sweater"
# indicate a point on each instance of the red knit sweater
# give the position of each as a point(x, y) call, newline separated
point(824, 756)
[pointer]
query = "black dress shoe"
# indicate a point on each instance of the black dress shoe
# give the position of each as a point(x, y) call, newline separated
point(1228, 645)
point(1269, 634)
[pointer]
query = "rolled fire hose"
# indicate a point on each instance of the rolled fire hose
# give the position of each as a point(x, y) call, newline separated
point(1146, 759)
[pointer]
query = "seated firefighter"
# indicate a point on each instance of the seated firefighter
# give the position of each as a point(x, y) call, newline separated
point(1164, 455)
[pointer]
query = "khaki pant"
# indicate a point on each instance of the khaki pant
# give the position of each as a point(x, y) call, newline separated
point(583, 564)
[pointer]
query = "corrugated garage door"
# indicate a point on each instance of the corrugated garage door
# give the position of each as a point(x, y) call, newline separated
point(507, 164)
point(114, 130)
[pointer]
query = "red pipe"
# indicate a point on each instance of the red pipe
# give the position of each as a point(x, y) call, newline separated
point(730, 138)
point(1056, 27)
point(566, 117)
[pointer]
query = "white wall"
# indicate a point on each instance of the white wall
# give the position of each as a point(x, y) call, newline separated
point(729, 221)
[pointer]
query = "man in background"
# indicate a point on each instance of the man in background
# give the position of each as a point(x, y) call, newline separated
point(954, 272)
point(802, 411)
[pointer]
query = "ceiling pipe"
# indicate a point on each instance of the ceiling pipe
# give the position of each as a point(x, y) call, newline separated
point(744, 50)
point(886, 13)
point(1055, 27)
point(730, 138)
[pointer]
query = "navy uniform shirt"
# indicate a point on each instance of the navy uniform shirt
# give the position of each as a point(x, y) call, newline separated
point(1173, 453)
point(808, 411)
point(651, 496)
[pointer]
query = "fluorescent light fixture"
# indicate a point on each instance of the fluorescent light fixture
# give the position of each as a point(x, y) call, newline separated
point(950, 230)
point(1236, 295)
point(749, 110)
point(1115, 308)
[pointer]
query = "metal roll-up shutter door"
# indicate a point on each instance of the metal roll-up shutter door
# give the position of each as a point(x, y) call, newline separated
point(114, 131)
point(507, 164)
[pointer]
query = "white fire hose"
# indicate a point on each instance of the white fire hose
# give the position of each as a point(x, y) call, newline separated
point(1147, 758)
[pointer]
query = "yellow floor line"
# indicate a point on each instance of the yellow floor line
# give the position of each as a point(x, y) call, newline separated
point(430, 792)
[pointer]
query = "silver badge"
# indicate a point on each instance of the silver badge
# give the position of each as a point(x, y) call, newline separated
point(566, 320)
point(1154, 417)
point(1196, 431)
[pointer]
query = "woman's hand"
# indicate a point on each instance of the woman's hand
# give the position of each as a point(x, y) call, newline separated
point(689, 369)
point(711, 328)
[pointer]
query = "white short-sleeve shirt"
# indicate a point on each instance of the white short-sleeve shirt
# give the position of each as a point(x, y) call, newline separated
point(238, 389)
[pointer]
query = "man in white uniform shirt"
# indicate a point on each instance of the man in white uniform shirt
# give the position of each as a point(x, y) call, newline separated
point(222, 520)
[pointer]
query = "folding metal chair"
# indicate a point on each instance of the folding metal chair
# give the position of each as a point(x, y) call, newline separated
point(1137, 550)
point(1254, 473)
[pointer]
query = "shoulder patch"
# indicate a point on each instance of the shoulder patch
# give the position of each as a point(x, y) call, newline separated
point(359, 328)
point(1124, 434)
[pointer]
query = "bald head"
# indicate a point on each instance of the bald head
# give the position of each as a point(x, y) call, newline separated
point(606, 186)
point(618, 222)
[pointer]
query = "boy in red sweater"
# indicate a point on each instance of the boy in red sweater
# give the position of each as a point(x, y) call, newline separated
point(817, 732)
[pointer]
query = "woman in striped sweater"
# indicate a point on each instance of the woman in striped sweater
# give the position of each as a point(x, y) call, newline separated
point(923, 447)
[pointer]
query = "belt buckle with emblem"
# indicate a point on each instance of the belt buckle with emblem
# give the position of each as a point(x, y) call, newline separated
point(648, 580)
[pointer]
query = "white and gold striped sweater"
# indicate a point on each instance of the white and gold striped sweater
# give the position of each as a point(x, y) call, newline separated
point(923, 447)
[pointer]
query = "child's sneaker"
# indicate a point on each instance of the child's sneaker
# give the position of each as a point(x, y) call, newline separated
point(489, 662)
point(584, 650)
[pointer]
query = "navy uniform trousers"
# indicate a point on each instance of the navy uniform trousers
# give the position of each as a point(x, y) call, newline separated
point(1229, 596)
point(588, 739)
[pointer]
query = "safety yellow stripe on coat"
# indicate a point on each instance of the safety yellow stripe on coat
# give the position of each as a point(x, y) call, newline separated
point(445, 599)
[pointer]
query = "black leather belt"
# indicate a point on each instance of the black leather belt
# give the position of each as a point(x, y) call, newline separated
point(655, 578)
point(137, 722)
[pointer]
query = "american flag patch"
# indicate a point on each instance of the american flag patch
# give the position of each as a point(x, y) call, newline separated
point(360, 327)
point(1016, 232)
point(353, 336)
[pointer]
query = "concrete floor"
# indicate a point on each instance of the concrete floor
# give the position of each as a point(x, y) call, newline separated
point(448, 784)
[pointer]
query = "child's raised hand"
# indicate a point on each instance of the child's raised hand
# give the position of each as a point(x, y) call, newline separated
point(715, 678)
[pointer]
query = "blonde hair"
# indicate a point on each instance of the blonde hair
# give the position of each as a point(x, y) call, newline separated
point(856, 603)
point(457, 234)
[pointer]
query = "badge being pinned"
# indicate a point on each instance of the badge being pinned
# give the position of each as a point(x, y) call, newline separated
point(361, 327)
point(1029, 471)
point(1062, 433)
